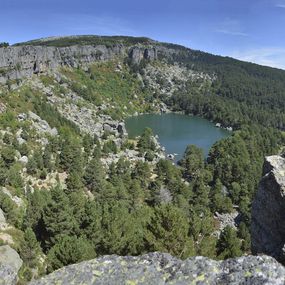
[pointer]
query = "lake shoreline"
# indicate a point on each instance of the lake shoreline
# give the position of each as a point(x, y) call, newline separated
point(177, 130)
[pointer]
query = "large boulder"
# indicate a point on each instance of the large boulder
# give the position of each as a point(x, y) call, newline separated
point(159, 268)
point(122, 129)
point(10, 263)
point(268, 210)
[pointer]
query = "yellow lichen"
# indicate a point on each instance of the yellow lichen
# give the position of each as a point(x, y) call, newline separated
point(131, 282)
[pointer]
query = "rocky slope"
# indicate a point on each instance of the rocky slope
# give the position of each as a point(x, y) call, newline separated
point(268, 210)
point(158, 268)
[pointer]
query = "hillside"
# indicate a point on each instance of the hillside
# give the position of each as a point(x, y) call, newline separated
point(75, 187)
point(245, 87)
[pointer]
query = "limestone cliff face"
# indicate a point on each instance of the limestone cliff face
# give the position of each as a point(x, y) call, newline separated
point(158, 269)
point(138, 53)
point(268, 210)
point(24, 61)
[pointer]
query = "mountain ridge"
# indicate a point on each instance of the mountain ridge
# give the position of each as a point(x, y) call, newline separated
point(61, 41)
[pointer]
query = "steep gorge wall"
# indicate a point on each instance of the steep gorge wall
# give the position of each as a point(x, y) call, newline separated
point(23, 61)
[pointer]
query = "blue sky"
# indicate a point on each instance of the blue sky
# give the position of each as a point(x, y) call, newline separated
point(251, 30)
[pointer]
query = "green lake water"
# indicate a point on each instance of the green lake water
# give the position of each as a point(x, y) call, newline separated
point(176, 131)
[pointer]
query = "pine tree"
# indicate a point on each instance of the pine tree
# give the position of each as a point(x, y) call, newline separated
point(118, 229)
point(77, 202)
point(244, 234)
point(74, 182)
point(30, 248)
point(142, 173)
point(91, 224)
point(8, 155)
point(88, 144)
point(32, 166)
point(69, 250)
point(228, 245)
point(47, 157)
point(57, 217)
point(94, 176)
point(168, 232)
point(146, 141)
point(71, 155)
point(219, 203)
point(192, 161)
point(36, 204)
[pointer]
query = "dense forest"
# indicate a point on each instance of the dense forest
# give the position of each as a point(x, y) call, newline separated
point(75, 208)
point(241, 93)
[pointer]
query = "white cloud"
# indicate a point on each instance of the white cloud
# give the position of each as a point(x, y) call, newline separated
point(271, 56)
point(280, 5)
point(231, 27)
point(233, 33)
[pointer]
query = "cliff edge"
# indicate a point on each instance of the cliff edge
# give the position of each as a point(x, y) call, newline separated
point(268, 211)
point(18, 62)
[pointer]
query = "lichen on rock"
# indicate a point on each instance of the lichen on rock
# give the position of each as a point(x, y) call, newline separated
point(159, 268)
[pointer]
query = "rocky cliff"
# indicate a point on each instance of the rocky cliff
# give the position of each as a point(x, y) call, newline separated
point(268, 210)
point(157, 268)
point(19, 62)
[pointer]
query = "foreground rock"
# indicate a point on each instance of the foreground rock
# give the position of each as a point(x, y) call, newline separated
point(10, 263)
point(268, 211)
point(158, 268)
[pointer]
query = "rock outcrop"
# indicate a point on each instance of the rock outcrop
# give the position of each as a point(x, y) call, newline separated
point(158, 268)
point(137, 54)
point(268, 211)
point(24, 61)
point(10, 263)
point(19, 62)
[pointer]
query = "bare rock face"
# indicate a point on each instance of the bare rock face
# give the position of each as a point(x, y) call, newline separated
point(137, 54)
point(23, 61)
point(10, 263)
point(268, 211)
point(159, 269)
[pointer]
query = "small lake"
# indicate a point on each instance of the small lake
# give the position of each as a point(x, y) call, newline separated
point(176, 131)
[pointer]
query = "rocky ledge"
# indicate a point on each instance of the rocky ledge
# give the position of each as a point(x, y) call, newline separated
point(159, 268)
point(268, 210)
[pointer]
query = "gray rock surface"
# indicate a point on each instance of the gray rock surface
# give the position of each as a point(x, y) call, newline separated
point(41, 125)
point(10, 263)
point(19, 62)
point(3, 222)
point(137, 54)
point(268, 210)
point(227, 219)
point(158, 269)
